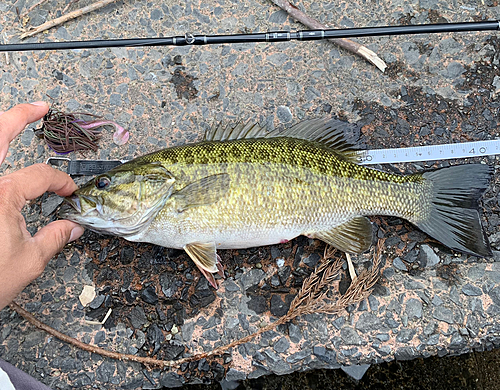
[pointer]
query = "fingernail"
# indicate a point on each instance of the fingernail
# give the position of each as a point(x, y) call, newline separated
point(39, 103)
point(75, 233)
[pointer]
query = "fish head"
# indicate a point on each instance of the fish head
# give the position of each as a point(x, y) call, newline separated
point(121, 202)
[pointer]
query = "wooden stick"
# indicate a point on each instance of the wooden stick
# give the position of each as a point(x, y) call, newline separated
point(7, 58)
point(347, 44)
point(65, 18)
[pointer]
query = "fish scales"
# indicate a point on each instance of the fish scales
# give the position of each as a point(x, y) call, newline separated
point(280, 188)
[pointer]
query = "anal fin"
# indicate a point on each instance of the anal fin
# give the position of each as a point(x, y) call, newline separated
point(354, 236)
point(205, 256)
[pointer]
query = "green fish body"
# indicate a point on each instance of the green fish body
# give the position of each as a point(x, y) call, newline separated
point(242, 187)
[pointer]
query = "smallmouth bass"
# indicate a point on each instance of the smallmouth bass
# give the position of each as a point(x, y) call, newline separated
point(243, 187)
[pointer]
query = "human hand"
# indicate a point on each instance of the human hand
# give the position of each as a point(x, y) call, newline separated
point(23, 257)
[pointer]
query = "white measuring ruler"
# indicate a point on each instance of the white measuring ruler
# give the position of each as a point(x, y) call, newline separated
point(430, 152)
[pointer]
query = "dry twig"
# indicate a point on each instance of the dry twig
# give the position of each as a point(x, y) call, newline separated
point(312, 298)
point(347, 44)
point(65, 18)
point(352, 271)
point(5, 40)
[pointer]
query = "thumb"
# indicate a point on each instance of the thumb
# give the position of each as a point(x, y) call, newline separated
point(51, 239)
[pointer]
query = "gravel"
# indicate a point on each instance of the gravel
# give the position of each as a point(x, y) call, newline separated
point(437, 89)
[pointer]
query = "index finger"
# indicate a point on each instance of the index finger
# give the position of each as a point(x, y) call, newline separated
point(13, 121)
point(33, 181)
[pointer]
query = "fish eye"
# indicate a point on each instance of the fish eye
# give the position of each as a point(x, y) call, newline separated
point(102, 182)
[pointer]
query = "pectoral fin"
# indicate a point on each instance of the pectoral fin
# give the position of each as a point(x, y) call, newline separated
point(354, 236)
point(203, 192)
point(206, 259)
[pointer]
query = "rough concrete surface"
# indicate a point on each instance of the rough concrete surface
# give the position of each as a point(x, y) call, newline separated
point(429, 301)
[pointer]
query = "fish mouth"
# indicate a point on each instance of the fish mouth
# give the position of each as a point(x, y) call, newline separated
point(71, 207)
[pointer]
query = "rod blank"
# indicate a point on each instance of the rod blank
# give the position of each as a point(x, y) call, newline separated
point(278, 36)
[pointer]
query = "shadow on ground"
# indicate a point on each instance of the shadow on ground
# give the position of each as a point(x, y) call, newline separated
point(474, 371)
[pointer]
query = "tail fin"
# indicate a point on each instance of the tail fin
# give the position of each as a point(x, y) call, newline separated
point(454, 216)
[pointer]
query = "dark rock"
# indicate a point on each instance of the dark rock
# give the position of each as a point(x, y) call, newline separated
point(457, 341)
point(203, 293)
point(171, 379)
point(384, 350)
point(137, 317)
point(258, 304)
point(278, 17)
point(413, 285)
point(105, 372)
point(278, 307)
point(148, 295)
point(168, 285)
point(411, 256)
point(298, 356)
point(97, 302)
point(433, 339)
point(405, 353)
point(173, 350)
point(311, 260)
point(231, 286)
point(284, 273)
point(252, 278)
point(495, 295)
point(326, 355)
point(275, 281)
point(414, 308)
point(127, 255)
point(405, 335)
point(356, 371)
point(47, 297)
point(203, 365)
point(367, 322)
point(427, 257)
point(350, 336)
point(442, 313)
point(281, 345)
point(211, 334)
point(373, 303)
point(235, 375)
point(243, 321)
point(471, 290)
point(383, 337)
point(339, 322)
point(50, 204)
point(398, 264)
point(437, 301)
point(75, 259)
point(453, 70)
point(294, 333)
point(99, 337)
point(81, 380)
point(155, 337)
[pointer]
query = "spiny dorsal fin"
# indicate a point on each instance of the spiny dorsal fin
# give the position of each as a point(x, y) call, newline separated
point(228, 132)
point(329, 132)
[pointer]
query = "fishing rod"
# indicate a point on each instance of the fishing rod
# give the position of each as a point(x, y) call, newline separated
point(278, 36)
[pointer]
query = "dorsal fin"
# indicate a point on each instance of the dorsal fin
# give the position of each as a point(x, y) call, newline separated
point(329, 132)
point(228, 132)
